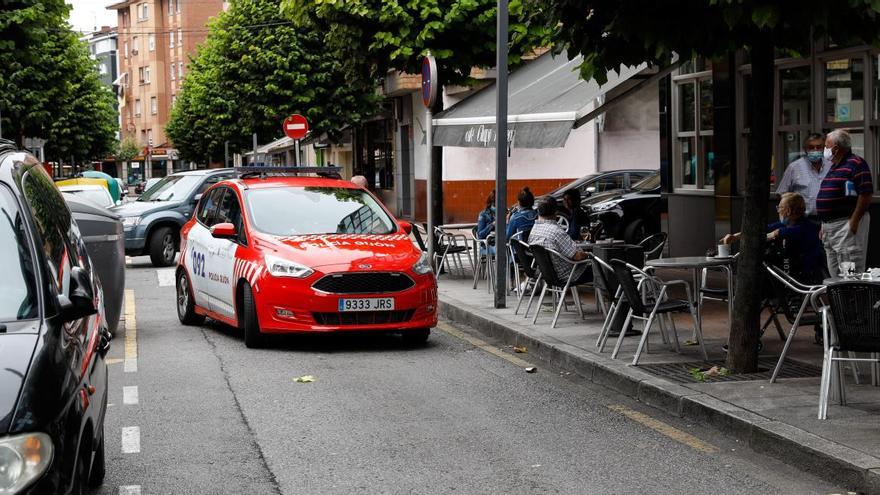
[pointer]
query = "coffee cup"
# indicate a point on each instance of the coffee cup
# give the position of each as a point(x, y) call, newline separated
point(723, 250)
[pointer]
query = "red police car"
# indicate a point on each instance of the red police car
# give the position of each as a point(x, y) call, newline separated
point(273, 254)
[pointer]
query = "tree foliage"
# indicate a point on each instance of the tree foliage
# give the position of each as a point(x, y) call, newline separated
point(609, 33)
point(254, 70)
point(127, 149)
point(381, 35)
point(49, 86)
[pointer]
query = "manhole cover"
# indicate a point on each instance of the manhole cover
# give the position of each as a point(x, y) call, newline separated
point(681, 372)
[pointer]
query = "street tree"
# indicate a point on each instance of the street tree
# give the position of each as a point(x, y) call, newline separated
point(126, 150)
point(255, 69)
point(610, 33)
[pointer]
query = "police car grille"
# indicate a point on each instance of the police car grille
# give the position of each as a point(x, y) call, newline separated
point(364, 283)
point(363, 317)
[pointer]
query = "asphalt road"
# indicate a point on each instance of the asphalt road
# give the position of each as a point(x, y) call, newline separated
point(209, 416)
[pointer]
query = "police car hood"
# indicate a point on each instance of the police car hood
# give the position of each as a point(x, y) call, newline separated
point(347, 251)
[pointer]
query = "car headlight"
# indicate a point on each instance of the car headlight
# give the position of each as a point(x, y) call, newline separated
point(23, 459)
point(609, 205)
point(129, 222)
point(281, 267)
point(423, 266)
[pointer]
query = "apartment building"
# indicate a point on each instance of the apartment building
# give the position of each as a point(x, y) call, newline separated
point(156, 40)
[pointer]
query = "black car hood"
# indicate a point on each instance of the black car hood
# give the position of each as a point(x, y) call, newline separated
point(16, 351)
point(139, 208)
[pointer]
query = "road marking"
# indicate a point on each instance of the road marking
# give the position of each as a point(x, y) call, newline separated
point(128, 260)
point(110, 361)
point(131, 351)
point(166, 277)
point(665, 429)
point(130, 490)
point(131, 440)
point(130, 395)
point(481, 344)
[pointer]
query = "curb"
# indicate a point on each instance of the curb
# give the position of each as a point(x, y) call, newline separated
point(801, 449)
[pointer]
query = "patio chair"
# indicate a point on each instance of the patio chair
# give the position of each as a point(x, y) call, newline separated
point(853, 326)
point(526, 261)
point(790, 294)
point(553, 283)
point(448, 250)
point(603, 274)
point(512, 259)
point(483, 260)
point(654, 245)
point(655, 302)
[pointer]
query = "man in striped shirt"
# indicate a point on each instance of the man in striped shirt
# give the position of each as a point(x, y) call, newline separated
point(842, 203)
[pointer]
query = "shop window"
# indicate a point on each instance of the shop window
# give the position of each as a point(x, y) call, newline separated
point(694, 128)
point(844, 90)
point(794, 86)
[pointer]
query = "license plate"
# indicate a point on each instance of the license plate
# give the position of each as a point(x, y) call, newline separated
point(372, 304)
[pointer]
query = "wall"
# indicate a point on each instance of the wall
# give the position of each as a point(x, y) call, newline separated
point(630, 132)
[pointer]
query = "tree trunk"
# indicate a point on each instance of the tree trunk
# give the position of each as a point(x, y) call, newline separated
point(745, 327)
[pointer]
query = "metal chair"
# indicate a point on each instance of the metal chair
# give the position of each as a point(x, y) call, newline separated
point(483, 260)
point(449, 248)
point(526, 261)
point(602, 282)
point(854, 326)
point(659, 301)
point(654, 245)
point(553, 283)
point(787, 291)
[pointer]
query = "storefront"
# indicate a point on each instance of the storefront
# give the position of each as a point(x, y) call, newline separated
point(705, 130)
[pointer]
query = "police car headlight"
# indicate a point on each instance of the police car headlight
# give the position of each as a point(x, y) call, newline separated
point(129, 222)
point(23, 459)
point(280, 267)
point(423, 266)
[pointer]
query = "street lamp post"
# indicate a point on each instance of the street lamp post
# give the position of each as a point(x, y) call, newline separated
point(501, 159)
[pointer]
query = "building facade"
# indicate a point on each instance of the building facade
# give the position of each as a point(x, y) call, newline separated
point(156, 40)
point(103, 48)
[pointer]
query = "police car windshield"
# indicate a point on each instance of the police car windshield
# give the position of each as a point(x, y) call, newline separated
point(286, 211)
point(18, 288)
point(171, 187)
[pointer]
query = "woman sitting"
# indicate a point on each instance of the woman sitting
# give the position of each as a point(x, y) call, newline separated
point(524, 217)
point(486, 220)
point(799, 237)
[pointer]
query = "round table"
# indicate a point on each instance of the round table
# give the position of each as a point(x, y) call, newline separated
point(697, 263)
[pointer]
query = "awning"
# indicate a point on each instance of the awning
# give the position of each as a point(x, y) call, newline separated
point(547, 99)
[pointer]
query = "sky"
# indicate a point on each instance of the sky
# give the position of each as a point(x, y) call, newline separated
point(87, 14)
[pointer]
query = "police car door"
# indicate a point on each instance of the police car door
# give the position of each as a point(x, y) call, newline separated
point(221, 256)
point(198, 242)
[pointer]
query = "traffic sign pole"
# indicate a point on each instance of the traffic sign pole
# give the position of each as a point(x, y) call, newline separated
point(429, 96)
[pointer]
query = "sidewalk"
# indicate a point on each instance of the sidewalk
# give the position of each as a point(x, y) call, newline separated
point(777, 419)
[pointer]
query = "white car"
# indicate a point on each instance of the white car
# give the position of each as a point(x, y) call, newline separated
point(96, 194)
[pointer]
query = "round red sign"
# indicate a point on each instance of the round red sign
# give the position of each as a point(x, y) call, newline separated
point(296, 126)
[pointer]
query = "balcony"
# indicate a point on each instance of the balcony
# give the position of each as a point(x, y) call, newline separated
point(399, 84)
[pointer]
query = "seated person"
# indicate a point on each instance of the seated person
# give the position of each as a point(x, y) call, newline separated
point(548, 233)
point(524, 216)
point(486, 219)
point(577, 217)
point(799, 236)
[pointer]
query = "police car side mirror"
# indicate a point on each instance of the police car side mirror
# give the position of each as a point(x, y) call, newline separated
point(224, 230)
point(406, 226)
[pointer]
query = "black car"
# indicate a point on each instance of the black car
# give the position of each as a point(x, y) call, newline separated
point(631, 214)
point(53, 339)
point(600, 185)
point(152, 223)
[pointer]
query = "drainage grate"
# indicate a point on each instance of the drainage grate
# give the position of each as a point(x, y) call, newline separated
point(681, 372)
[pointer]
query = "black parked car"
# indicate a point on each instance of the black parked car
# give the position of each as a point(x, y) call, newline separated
point(601, 185)
point(53, 378)
point(152, 223)
point(632, 214)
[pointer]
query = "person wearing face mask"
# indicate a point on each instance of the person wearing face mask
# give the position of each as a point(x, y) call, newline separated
point(842, 203)
point(804, 175)
point(799, 238)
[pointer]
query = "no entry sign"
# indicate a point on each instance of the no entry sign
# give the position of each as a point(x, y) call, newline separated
point(429, 81)
point(296, 126)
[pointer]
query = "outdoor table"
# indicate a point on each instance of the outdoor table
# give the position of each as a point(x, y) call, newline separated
point(696, 264)
point(457, 226)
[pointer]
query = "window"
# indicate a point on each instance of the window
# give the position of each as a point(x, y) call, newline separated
point(134, 45)
point(844, 90)
point(151, 42)
point(171, 39)
point(180, 70)
point(143, 12)
point(125, 18)
point(141, 74)
point(208, 207)
point(179, 37)
point(229, 211)
point(178, 5)
point(125, 49)
point(693, 123)
point(154, 105)
point(173, 99)
point(170, 7)
point(147, 74)
point(137, 107)
point(53, 223)
point(18, 287)
point(149, 137)
point(102, 69)
point(173, 71)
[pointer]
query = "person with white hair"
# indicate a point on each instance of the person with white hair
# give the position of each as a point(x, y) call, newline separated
point(842, 203)
point(360, 181)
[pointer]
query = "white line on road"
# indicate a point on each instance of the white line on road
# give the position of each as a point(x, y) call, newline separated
point(166, 277)
point(131, 440)
point(130, 490)
point(131, 364)
point(130, 395)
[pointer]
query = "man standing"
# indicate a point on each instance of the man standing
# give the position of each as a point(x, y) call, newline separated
point(842, 203)
point(804, 175)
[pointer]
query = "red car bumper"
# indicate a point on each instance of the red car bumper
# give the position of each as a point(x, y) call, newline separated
point(288, 305)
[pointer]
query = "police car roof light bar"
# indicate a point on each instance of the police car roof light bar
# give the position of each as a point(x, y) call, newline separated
point(265, 170)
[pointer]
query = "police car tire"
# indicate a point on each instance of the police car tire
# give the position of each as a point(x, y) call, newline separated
point(99, 466)
point(416, 337)
point(189, 316)
point(157, 247)
point(249, 323)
